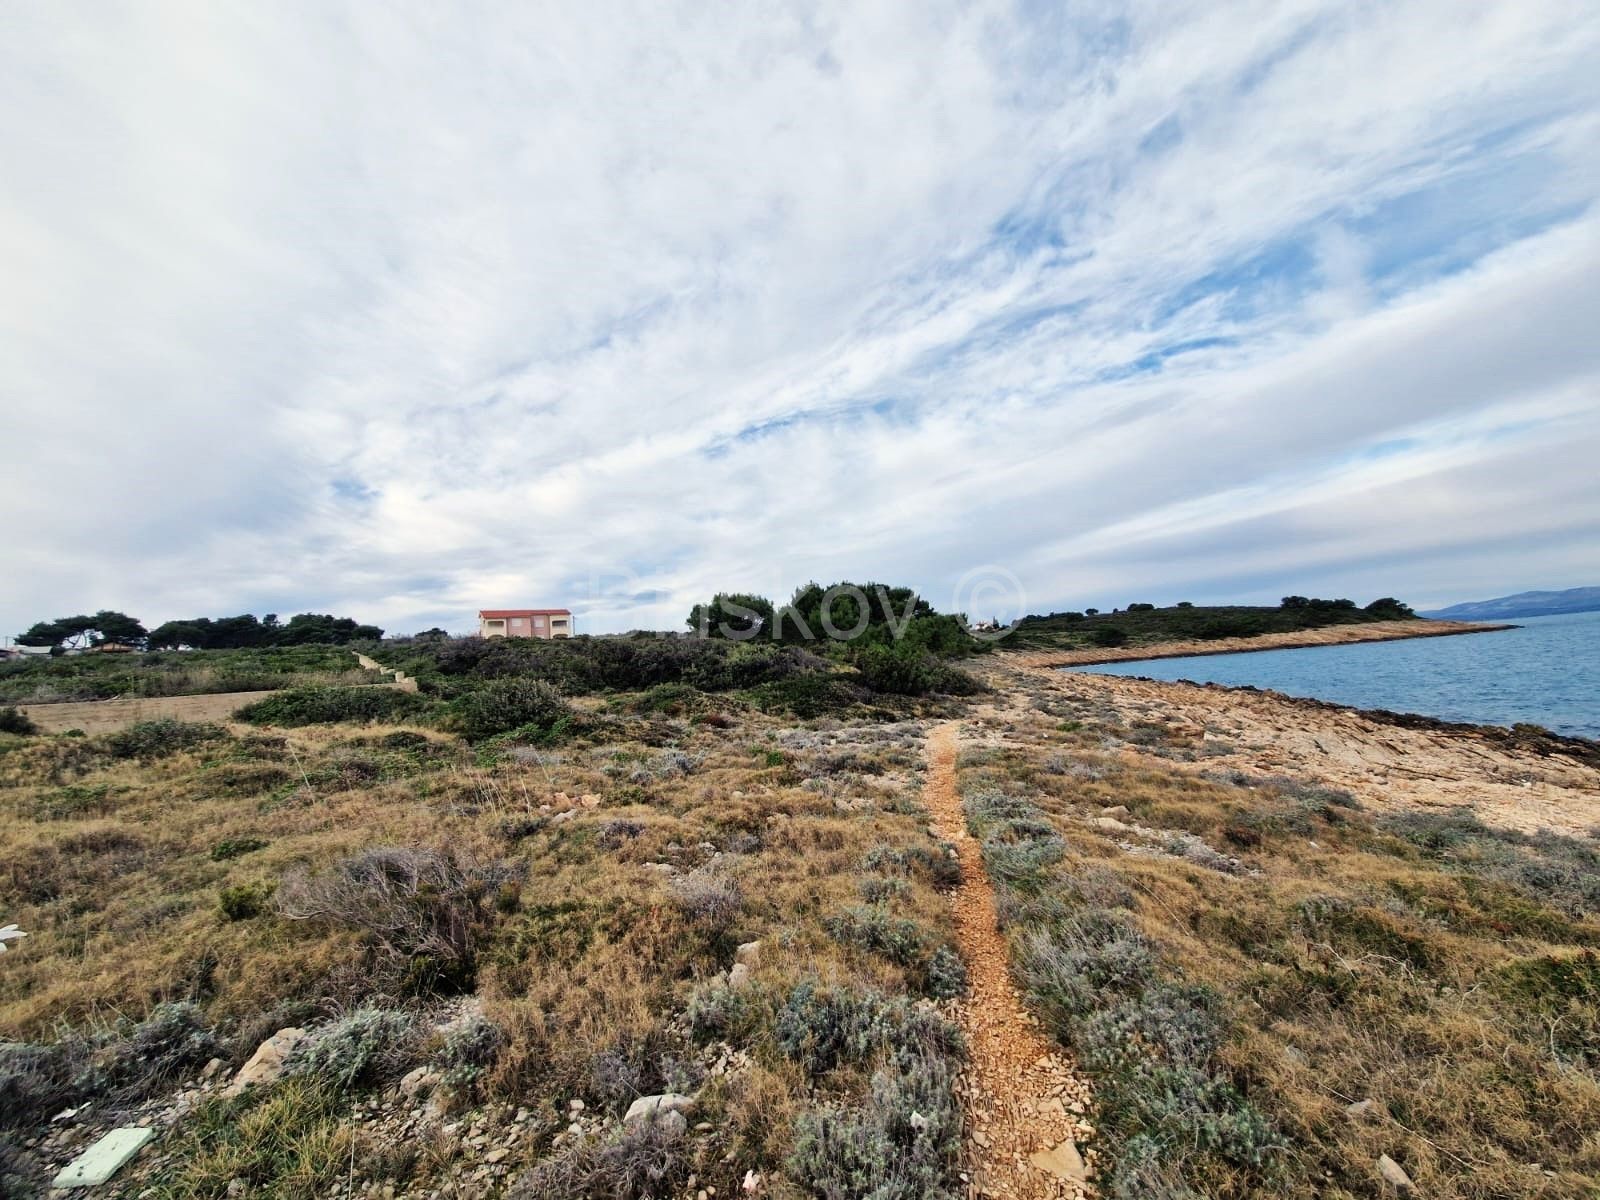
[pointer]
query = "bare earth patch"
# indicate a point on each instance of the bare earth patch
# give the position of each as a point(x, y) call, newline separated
point(1023, 1100)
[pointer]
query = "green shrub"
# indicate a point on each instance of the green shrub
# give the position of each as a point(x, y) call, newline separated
point(243, 901)
point(231, 848)
point(14, 720)
point(822, 1027)
point(332, 705)
point(469, 1049)
point(904, 1145)
point(528, 706)
point(369, 1047)
point(815, 694)
point(1109, 636)
point(161, 738)
point(904, 670)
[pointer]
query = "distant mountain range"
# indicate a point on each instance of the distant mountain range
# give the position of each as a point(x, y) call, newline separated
point(1523, 604)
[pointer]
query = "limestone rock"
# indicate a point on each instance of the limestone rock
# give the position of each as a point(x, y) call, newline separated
point(749, 953)
point(419, 1082)
point(1361, 1108)
point(739, 975)
point(1393, 1174)
point(266, 1064)
point(1115, 810)
point(1109, 825)
point(1064, 1162)
point(648, 1107)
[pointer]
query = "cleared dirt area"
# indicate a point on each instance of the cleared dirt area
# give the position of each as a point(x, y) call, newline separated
point(102, 716)
point(1332, 635)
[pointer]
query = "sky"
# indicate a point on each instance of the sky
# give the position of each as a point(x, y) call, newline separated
point(403, 310)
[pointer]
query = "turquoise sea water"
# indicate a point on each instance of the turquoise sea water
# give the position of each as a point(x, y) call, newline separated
point(1546, 672)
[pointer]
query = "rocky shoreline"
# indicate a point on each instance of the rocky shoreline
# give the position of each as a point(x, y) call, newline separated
point(1330, 635)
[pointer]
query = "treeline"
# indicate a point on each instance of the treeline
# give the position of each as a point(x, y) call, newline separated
point(109, 627)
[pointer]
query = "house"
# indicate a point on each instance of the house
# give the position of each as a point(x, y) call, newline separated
point(524, 622)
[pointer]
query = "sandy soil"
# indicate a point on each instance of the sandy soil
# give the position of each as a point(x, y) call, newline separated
point(100, 716)
point(1020, 1093)
point(1333, 635)
point(1511, 779)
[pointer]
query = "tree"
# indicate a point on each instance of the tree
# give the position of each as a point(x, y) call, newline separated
point(79, 632)
point(1390, 609)
point(737, 615)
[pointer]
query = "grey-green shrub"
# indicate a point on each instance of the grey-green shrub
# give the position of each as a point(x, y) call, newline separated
point(370, 1046)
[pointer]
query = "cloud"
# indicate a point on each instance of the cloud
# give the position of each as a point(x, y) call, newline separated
point(403, 312)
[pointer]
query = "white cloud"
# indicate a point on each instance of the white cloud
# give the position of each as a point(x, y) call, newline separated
point(403, 311)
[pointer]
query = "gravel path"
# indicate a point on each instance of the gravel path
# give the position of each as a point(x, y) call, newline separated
point(1023, 1102)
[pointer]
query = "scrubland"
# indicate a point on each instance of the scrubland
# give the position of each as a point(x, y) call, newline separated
point(508, 908)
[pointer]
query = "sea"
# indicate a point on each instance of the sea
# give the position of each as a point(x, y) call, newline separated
point(1545, 672)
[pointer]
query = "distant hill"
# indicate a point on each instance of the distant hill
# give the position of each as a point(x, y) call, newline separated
point(1524, 604)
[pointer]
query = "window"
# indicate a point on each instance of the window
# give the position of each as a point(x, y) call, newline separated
point(538, 622)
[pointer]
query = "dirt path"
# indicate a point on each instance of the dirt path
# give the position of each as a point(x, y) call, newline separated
point(1022, 1100)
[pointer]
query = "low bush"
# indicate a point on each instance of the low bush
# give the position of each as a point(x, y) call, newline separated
point(366, 1048)
point(709, 896)
point(230, 848)
point(469, 1050)
point(424, 911)
point(14, 720)
point(530, 707)
point(641, 1160)
point(904, 1145)
point(816, 694)
point(160, 739)
point(242, 901)
point(332, 706)
point(821, 1027)
point(905, 671)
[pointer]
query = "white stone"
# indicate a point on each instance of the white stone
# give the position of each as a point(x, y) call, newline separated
point(104, 1159)
point(748, 953)
point(267, 1063)
point(646, 1107)
point(1393, 1174)
point(739, 975)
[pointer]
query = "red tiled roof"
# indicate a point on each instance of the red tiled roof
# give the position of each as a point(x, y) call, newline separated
point(499, 614)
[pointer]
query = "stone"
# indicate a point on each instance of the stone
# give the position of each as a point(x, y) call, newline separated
point(104, 1159)
point(1115, 810)
point(748, 953)
point(1361, 1108)
point(495, 1156)
point(417, 1083)
point(752, 1182)
point(1064, 1162)
point(646, 1107)
point(267, 1063)
point(1393, 1174)
point(739, 975)
point(675, 1123)
point(1109, 825)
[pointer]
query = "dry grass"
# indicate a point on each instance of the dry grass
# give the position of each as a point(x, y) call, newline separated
point(606, 882)
point(1440, 969)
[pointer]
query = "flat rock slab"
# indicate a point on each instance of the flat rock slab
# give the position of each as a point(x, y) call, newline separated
point(104, 1159)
